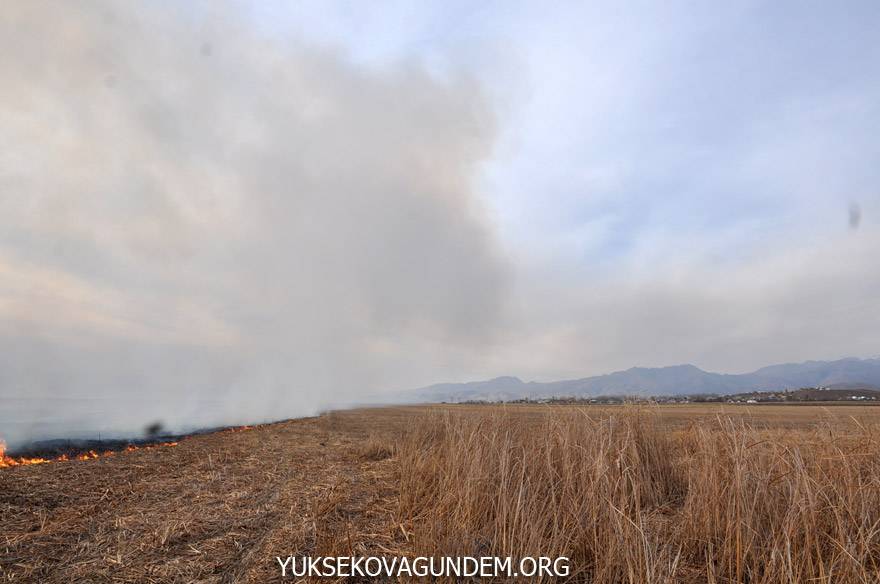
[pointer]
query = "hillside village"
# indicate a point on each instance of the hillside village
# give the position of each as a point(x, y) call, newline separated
point(802, 395)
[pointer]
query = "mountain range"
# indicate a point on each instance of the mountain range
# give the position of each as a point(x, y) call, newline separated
point(656, 381)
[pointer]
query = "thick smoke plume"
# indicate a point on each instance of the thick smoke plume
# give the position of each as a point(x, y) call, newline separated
point(200, 226)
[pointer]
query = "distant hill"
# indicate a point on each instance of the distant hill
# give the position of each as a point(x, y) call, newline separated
point(853, 386)
point(675, 380)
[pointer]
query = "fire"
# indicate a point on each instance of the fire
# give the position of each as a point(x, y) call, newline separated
point(132, 448)
point(239, 428)
point(8, 461)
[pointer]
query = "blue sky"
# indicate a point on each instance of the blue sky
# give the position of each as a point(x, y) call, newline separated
point(637, 140)
point(278, 206)
point(628, 114)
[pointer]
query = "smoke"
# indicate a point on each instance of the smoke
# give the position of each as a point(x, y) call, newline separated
point(199, 226)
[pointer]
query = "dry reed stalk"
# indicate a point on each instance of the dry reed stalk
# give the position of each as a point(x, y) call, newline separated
point(628, 500)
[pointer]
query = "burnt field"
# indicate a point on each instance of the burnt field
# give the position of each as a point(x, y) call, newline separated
point(701, 493)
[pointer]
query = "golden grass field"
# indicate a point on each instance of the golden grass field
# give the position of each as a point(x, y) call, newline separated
point(688, 493)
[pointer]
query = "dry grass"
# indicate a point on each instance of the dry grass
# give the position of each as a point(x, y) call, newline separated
point(676, 494)
point(216, 509)
point(629, 499)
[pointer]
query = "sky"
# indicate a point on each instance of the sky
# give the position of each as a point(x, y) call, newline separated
point(228, 212)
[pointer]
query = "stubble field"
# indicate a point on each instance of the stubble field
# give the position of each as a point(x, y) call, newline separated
point(713, 493)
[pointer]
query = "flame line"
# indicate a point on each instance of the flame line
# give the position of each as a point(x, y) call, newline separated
point(10, 461)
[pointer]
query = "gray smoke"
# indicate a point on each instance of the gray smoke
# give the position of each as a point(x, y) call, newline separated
point(200, 226)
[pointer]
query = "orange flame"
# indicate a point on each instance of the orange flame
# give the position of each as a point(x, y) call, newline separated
point(8, 461)
point(239, 428)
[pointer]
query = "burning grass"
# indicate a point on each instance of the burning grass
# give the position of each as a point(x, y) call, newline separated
point(7, 461)
point(90, 454)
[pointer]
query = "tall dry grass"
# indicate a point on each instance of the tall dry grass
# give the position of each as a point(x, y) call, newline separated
point(630, 500)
